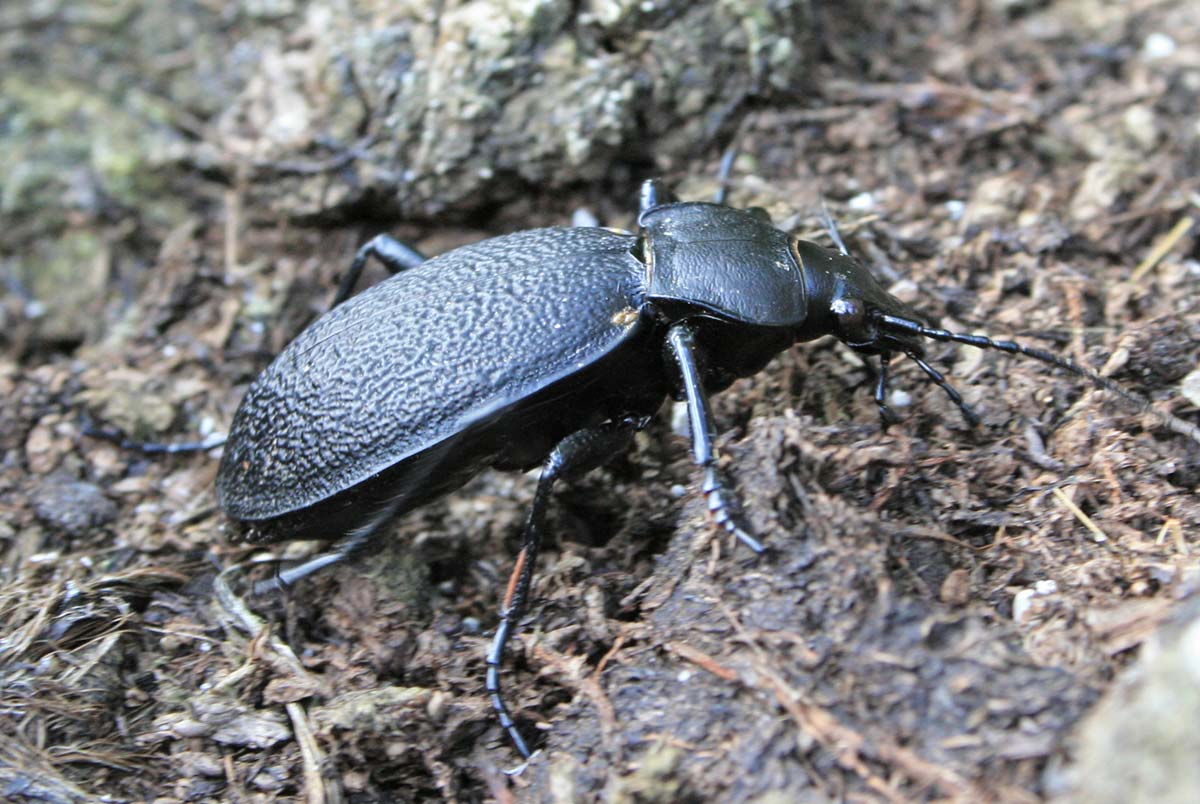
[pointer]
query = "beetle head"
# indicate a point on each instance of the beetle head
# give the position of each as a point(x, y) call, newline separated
point(870, 320)
point(846, 301)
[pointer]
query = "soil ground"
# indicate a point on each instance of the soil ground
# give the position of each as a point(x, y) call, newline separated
point(940, 608)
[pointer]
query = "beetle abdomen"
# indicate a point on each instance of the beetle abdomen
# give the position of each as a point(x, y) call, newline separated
point(422, 357)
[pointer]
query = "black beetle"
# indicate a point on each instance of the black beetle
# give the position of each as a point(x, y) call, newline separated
point(553, 346)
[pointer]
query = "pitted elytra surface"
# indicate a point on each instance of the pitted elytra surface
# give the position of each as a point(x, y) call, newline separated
point(476, 329)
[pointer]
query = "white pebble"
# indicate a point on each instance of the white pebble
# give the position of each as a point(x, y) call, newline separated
point(1021, 603)
point(863, 202)
point(1157, 46)
point(1045, 587)
point(1190, 387)
point(584, 217)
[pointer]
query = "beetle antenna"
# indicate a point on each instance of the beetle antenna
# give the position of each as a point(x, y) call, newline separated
point(1142, 404)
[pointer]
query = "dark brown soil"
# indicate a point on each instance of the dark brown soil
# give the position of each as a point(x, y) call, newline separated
point(939, 607)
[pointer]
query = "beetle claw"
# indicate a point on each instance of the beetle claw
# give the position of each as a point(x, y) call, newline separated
point(748, 540)
point(726, 511)
point(519, 769)
point(887, 417)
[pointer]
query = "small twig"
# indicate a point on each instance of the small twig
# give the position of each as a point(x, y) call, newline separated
point(283, 660)
point(316, 790)
point(1161, 248)
point(701, 660)
point(618, 643)
point(232, 233)
point(1100, 535)
point(1172, 526)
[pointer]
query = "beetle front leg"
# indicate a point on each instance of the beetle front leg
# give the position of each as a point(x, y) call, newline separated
point(886, 417)
point(392, 254)
point(576, 454)
point(723, 505)
point(346, 547)
point(654, 194)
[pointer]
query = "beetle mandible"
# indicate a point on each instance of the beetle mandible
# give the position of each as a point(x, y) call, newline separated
point(548, 346)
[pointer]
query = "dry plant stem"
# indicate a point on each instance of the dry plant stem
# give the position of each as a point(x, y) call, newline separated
point(1100, 536)
point(318, 790)
point(315, 787)
point(702, 660)
point(1181, 227)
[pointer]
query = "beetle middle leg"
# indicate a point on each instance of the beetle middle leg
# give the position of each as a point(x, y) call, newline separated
point(576, 454)
point(392, 254)
point(723, 506)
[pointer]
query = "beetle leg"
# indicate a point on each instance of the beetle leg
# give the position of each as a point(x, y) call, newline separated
point(723, 506)
point(971, 417)
point(392, 255)
point(91, 430)
point(654, 194)
point(574, 455)
point(726, 167)
point(342, 550)
point(886, 417)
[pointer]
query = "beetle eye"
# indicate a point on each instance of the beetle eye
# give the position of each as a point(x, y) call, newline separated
point(851, 315)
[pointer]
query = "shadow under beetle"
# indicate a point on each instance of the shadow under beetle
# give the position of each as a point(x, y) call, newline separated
point(548, 346)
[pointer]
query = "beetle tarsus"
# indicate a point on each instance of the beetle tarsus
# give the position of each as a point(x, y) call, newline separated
point(151, 447)
point(938, 379)
point(725, 509)
point(344, 549)
point(728, 157)
point(886, 416)
point(494, 659)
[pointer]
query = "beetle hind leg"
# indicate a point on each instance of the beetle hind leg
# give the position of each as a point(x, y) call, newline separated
point(574, 455)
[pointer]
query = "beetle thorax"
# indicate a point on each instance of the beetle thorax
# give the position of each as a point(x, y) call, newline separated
point(728, 262)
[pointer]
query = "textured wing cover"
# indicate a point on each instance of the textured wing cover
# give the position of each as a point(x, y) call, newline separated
point(421, 356)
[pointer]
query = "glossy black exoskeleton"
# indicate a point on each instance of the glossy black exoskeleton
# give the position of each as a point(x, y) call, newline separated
point(549, 346)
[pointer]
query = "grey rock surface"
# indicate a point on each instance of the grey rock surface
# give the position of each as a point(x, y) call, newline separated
point(394, 105)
